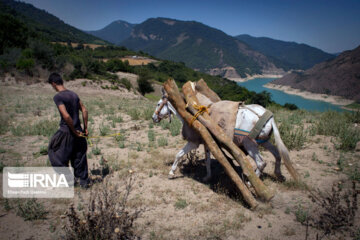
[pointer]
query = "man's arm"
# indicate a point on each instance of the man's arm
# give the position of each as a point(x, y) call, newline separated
point(85, 117)
point(68, 119)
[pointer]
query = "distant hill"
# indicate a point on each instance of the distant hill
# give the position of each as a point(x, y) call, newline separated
point(287, 55)
point(45, 24)
point(199, 47)
point(340, 76)
point(115, 32)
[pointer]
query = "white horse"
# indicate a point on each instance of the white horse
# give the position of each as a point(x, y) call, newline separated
point(247, 116)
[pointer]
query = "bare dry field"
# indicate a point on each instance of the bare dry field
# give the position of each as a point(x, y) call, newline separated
point(180, 208)
point(136, 61)
point(90, 45)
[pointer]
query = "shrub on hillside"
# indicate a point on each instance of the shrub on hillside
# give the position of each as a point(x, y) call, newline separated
point(13, 33)
point(126, 83)
point(25, 64)
point(291, 106)
point(116, 65)
point(9, 59)
point(43, 52)
point(144, 85)
point(107, 216)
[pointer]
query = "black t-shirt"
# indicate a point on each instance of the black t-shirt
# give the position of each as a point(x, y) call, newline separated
point(71, 101)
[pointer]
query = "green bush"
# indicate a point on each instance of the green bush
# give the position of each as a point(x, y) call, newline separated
point(13, 33)
point(96, 151)
point(126, 83)
point(147, 113)
point(151, 135)
point(43, 52)
point(301, 214)
point(134, 114)
point(348, 138)
point(339, 125)
point(144, 84)
point(162, 142)
point(293, 136)
point(181, 204)
point(25, 64)
point(291, 106)
point(116, 65)
point(175, 127)
point(104, 130)
point(31, 210)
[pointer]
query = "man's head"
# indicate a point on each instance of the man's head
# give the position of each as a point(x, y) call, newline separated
point(55, 80)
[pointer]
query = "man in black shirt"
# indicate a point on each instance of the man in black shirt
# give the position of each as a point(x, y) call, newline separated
point(67, 144)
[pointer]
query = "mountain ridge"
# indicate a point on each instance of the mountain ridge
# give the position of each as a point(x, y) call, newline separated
point(50, 26)
point(115, 32)
point(191, 42)
point(339, 76)
point(287, 54)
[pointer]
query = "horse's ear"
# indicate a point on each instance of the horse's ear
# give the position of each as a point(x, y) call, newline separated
point(164, 94)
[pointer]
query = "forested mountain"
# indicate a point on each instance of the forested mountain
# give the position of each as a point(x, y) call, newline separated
point(287, 55)
point(44, 24)
point(115, 32)
point(340, 76)
point(28, 54)
point(199, 47)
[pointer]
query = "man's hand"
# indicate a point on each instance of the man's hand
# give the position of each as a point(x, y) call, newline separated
point(86, 132)
point(78, 133)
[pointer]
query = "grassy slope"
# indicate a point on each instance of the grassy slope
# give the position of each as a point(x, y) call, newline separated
point(148, 150)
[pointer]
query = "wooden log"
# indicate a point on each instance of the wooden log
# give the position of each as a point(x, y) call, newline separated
point(178, 102)
point(261, 190)
point(203, 88)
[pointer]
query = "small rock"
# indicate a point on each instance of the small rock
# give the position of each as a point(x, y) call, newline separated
point(117, 230)
point(357, 148)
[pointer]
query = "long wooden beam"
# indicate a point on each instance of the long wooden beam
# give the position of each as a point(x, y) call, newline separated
point(178, 102)
point(191, 99)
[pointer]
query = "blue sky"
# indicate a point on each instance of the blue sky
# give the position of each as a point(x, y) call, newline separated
point(331, 25)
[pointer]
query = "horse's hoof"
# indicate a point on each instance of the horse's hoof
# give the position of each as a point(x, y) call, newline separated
point(280, 177)
point(171, 175)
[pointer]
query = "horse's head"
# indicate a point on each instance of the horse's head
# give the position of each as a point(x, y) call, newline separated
point(162, 109)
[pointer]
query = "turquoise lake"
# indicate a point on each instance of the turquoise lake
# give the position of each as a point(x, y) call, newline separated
point(280, 97)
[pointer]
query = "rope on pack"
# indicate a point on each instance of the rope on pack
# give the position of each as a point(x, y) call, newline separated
point(201, 109)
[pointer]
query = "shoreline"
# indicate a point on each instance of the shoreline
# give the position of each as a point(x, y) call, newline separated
point(336, 100)
point(255, 76)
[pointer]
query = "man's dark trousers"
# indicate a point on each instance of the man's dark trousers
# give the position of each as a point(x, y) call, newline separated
point(65, 147)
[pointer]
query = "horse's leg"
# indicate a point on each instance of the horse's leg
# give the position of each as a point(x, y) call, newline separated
point(188, 147)
point(252, 148)
point(208, 163)
point(276, 154)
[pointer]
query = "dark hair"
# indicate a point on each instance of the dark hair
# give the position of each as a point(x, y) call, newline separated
point(55, 78)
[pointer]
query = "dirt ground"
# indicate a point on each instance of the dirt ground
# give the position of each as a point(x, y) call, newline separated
point(136, 60)
point(180, 208)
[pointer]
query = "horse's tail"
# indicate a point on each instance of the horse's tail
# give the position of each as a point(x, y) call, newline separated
point(284, 153)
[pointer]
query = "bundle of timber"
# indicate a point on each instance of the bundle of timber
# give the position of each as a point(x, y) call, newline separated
point(211, 125)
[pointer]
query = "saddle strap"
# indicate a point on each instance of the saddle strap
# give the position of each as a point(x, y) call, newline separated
point(260, 124)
